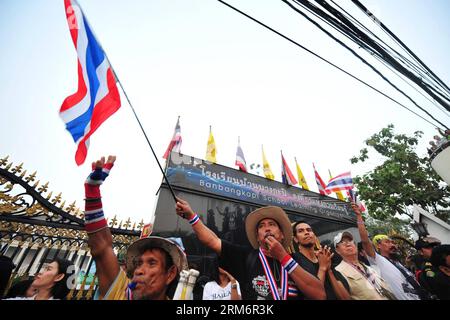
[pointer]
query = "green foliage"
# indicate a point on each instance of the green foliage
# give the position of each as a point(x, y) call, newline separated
point(402, 180)
point(389, 226)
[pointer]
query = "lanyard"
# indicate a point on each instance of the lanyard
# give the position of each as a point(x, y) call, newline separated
point(272, 283)
point(372, 277)
point(369, 276)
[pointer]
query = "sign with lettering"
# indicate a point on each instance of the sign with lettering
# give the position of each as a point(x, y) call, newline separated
point(200, 175)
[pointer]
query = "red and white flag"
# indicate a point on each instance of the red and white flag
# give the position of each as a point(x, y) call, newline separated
point(175, 143)
point(320, 184)
point(240, 159)
point(343, 181)
point(97, 97)
point(286, 173)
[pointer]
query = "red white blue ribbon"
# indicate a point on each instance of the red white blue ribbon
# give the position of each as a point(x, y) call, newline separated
point(129, 290)
point(272, 283)
point(193, 221)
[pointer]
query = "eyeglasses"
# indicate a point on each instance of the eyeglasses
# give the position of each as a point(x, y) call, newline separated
point(346, 241)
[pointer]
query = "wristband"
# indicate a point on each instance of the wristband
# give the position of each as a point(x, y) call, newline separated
point(194, 220)
point(94, 217)
point(94, 220)
point(288, 263)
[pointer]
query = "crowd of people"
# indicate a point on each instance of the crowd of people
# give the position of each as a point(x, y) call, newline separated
point(285, 261)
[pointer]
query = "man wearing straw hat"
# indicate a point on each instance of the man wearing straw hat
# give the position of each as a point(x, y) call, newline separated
point(152, 263)
point(266, 272)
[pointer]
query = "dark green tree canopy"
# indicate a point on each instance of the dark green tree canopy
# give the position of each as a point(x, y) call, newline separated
point(402, 180)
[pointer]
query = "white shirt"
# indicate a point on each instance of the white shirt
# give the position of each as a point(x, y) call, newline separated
point(396, 280)
point(213, 291)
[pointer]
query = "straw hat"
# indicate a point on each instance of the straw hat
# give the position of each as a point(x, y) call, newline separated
point(271, 212)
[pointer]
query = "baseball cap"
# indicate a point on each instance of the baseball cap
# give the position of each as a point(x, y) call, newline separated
point(426, 242)
point(339, 236)
point(378, 238)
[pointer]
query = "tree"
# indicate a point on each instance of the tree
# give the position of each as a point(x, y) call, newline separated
point(389, 226)
point(402, 180)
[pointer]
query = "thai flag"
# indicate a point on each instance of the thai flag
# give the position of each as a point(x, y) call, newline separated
point(320, 184)
point(240, 159)
point(353, 196)
point(175, 143)
point(286, 173)
point(97, 97)
point(343, 181)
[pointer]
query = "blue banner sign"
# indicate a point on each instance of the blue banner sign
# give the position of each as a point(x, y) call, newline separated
point(200, 175)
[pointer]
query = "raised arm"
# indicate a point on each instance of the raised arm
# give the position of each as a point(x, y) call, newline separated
point(204, 234)
point(367, 245)
point(234, 290)
point(99, 235)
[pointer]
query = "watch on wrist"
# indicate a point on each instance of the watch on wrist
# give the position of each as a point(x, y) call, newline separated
point(234, 285)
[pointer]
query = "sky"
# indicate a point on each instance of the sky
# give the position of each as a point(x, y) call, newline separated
point(202, 61)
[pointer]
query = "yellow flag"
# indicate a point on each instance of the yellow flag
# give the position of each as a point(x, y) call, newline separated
point(211, 148)
point(301, 177)
point(338, 193)
point(267, 172)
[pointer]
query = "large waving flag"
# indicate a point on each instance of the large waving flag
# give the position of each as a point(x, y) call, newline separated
point(339, 194)
point(343, 181)
point(320, 184)
point(240, 159)
point(267, 171)
point(175, 143)
point(97, 97)
point(301, 177)
point(286, 173)
point(211, 148)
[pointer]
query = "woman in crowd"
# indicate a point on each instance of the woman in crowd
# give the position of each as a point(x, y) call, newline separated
point(223, 287)
point(52, 282)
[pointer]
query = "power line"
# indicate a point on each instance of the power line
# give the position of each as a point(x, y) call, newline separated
point(323, 59)
point(418, 68)
point(351, 28)
point(375, 54)
point(362, 60)
point(399, 75)
point(392, 35)
point(422, 73)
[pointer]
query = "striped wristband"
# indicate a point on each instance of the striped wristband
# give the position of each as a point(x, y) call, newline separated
point(288, 263)
point(194, 220)
point(94, 218)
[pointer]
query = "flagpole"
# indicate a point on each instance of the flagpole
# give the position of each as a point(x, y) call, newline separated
point(148, 141)
point(129, 102)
